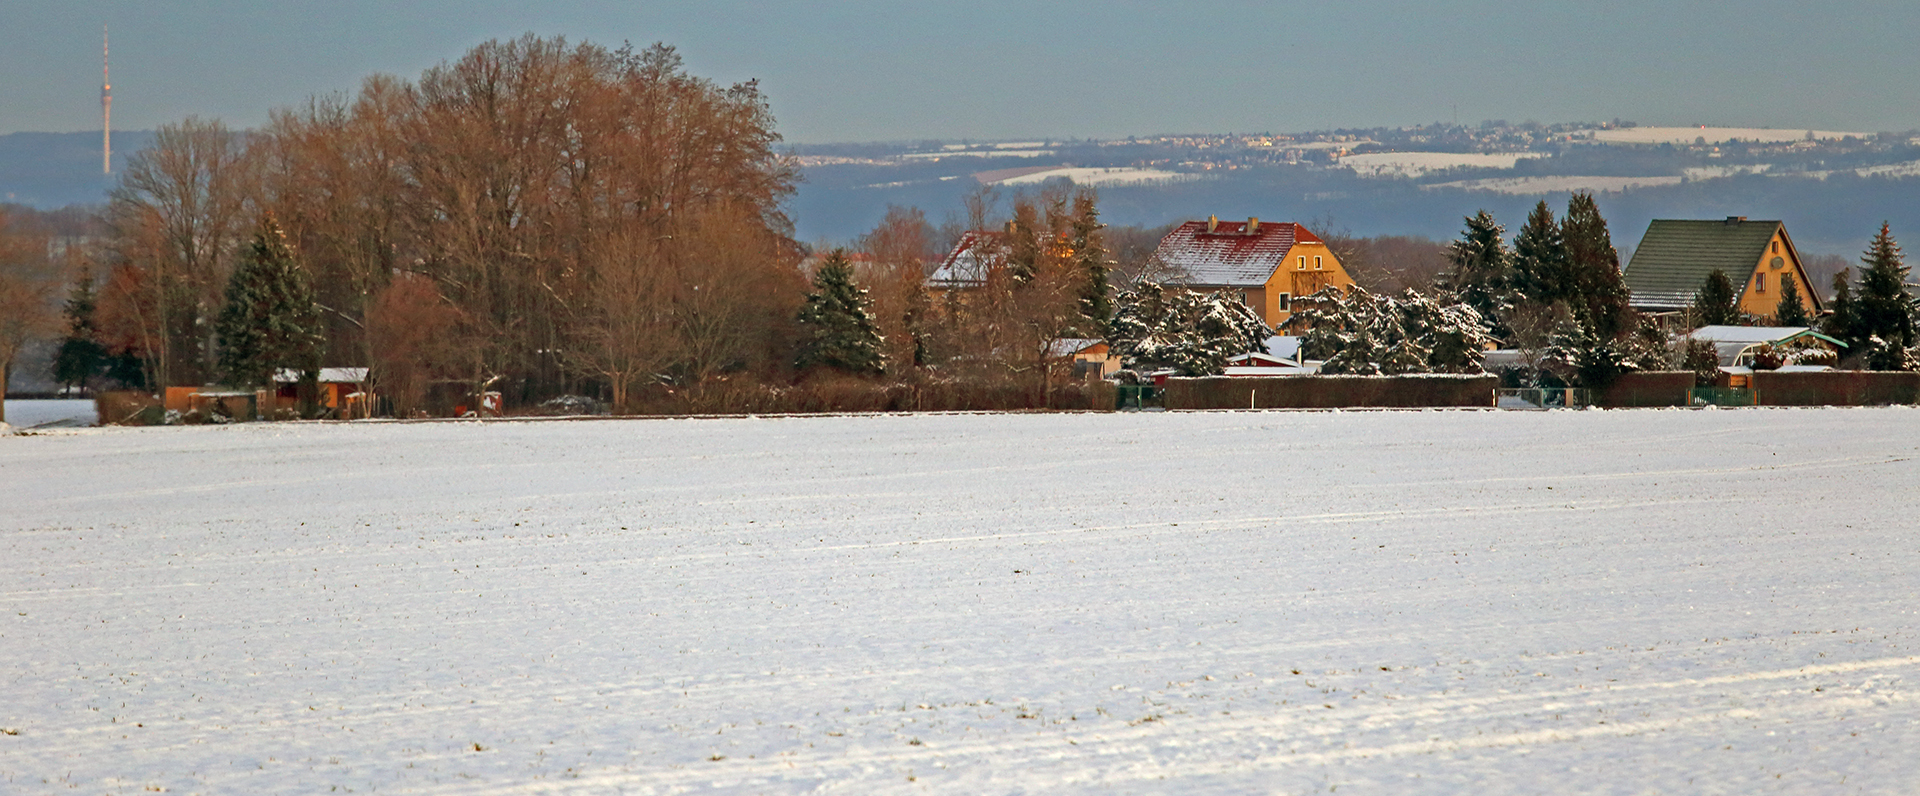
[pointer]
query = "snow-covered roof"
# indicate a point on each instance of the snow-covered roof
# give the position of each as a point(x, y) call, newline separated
point(1750, 334)
point(1731, 342)
point(1068, 346)
point(967, 265)
point(1289, 369)
point(327, 375)
point(1284, 346)
point(1257, 358)
point(1232, 253)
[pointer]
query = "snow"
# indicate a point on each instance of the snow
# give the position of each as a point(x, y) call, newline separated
point(28, 413)
point(1100, 176)
point(996, 153)
point(1414, 164)
point(1713, 135)
point(1523, 186)
point(1203, 603)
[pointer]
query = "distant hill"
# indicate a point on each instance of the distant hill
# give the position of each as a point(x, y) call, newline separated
point(50, 170)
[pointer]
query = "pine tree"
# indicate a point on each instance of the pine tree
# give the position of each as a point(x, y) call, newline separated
point(269, 322)
point(1595, 287)
point(842, 333)
point(1713, 305)
point(81, 358)
point(1701, 358)
point(1883, 308)
point(1482, 269)
point(1842, 324)
point(1192, 333)
point(1090, 263)
point(1792, 311)
point(1540, 262)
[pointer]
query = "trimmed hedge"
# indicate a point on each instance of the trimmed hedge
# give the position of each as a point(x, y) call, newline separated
point(1646, 389)
point(1836, 388)
point(1331, 392)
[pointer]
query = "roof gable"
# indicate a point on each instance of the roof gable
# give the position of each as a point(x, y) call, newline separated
point(1230, 255)
point(1675, 257)
point(971, 259)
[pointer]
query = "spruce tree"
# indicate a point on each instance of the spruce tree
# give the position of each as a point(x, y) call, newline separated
point(1841, 323)
point(1792, 311)
point(1482, 269)
point(1540, 262)
point(1090, 264)
point(1713, 305)
point(81, 357)
point(1883, 309)
point(839, 318)
point(1596, 287)
point(270, 321)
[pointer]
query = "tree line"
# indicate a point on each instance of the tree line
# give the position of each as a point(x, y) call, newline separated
point(541, 218)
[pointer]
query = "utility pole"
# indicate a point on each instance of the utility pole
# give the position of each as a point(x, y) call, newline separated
point(106, 108)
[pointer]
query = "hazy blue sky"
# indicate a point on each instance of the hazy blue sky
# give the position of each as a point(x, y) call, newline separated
point(861, 71)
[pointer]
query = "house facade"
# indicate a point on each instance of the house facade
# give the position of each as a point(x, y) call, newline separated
point(1267, 264)
point(1675, 257)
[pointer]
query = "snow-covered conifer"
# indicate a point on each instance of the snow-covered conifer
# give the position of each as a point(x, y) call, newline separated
point(841, 332)
point(270, 321)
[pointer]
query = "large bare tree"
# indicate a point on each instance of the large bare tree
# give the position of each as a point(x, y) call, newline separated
point(180, 211)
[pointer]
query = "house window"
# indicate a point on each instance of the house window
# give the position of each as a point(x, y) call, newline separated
point(1776, 247)
point(1286, 302)
point(1760, 282)
point(1303, 262)
point(1317, 265)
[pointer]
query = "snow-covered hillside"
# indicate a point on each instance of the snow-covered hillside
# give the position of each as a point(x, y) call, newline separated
point(1204, 603)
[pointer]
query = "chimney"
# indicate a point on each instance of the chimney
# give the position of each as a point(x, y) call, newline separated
point(1213, 223)
point(1732, 220)
point(1253, 225)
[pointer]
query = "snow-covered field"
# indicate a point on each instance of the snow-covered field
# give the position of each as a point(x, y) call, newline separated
point(1557, 184)
point(1101, 176)
point(27, 413)
point(1414, 164)
point(1202, 603)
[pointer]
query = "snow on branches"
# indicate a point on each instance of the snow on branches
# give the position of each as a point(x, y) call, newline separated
point(1361, 333)
point(1193, 333)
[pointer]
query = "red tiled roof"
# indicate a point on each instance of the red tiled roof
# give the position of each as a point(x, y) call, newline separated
point(1229, 256)
point(967, 264)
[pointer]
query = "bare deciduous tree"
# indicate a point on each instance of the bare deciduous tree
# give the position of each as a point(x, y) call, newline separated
point(180, 211)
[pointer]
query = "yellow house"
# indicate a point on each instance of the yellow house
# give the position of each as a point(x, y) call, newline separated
point(1269, 265)
point(1676, 256)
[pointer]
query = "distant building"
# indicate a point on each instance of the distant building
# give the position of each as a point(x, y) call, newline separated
point(1675, 257)
point(1266, 264)
point(976, 254)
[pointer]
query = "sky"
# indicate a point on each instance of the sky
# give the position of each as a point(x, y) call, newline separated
point(994, 70)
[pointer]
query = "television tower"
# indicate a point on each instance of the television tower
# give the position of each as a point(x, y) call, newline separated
point(106, 108)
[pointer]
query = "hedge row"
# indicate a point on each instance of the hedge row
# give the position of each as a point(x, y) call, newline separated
point(1330, 392)
point(1836, 388)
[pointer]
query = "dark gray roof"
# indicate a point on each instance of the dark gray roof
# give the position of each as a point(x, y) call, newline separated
point(1675, 257)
